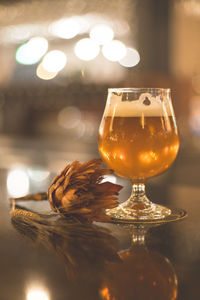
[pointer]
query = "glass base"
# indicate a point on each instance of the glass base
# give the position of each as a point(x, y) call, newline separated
point(152, 214)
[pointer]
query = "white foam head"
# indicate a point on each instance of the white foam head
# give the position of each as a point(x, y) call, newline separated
point(155, 107)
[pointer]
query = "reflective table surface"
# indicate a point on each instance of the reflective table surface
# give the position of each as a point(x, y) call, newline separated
point(49, 258)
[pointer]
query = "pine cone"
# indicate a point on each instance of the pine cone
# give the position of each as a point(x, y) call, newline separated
point(77, 191)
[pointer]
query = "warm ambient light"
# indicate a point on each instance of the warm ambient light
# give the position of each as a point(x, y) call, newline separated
point(101, 34)
point(17, 182)
point(44, 74)
point(65, 28)
point(114, 50)
point(32, 51)
point(131, 58)
point(54, 61)
point(86, 49)
point(37, 294)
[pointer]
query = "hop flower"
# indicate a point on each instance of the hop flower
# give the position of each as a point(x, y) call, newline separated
point(77, 191)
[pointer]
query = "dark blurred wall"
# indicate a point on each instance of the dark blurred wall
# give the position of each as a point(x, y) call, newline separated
point(153, 35)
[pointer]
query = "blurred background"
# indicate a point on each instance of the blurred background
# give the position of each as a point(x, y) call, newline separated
point(58, 58)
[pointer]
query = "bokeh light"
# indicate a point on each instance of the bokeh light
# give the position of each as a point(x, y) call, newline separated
point(101, 34)
point(17, 182)
point(16, 34)
point(194, 117)
point(83, 23)
point(65, 28)
point(44, 74)
point(114, 50)
point(121, 27)
point(54, 61)
point(38, 174)
point(69, 117)
point(86, 49)
point(131, 58)
point(37, 294)
point(31, 52)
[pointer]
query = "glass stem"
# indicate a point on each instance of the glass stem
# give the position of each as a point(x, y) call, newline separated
point(138, 236)
point(138, 189)
point(138, 197)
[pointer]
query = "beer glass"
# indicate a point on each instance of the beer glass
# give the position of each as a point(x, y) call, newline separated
point(138, 139)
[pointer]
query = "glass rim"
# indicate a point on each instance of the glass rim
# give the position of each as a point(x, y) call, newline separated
point(138, 89)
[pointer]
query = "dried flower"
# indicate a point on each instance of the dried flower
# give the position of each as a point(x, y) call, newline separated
point(77, 191)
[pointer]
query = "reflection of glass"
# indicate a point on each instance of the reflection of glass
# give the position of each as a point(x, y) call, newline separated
point(138, 139)
point(142, 274)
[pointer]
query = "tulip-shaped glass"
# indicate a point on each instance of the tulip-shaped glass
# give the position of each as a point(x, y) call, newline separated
point(138, 139)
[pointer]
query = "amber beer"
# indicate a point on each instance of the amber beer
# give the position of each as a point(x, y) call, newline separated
point(138, 147)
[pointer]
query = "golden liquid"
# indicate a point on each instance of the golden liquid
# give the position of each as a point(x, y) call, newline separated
point(138, 147)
